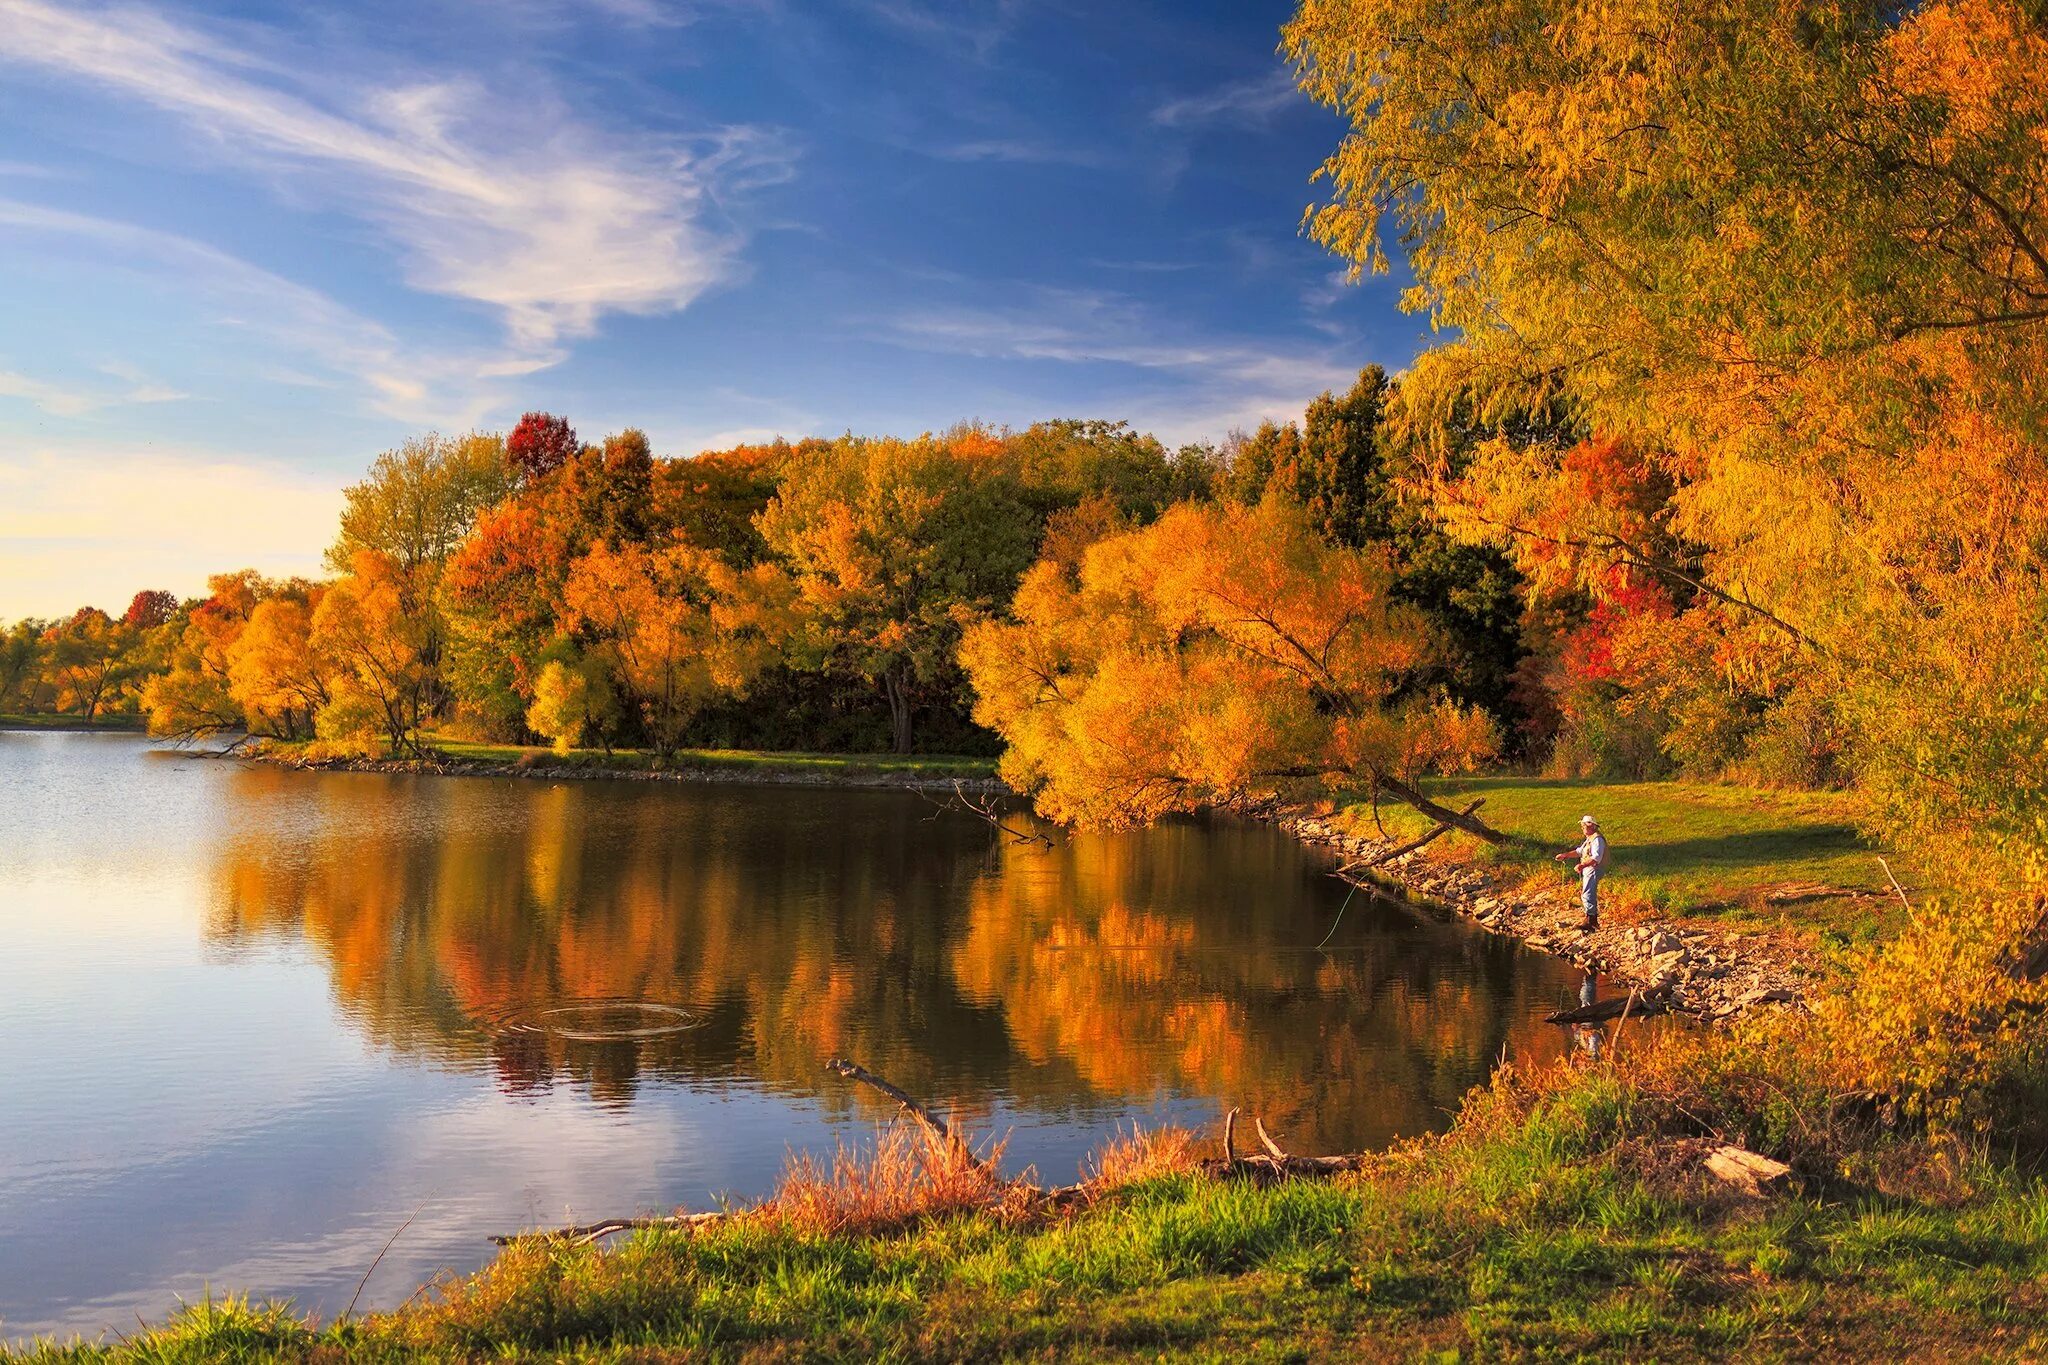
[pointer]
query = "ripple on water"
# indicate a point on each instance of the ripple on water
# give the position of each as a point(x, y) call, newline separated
point(599, 1021)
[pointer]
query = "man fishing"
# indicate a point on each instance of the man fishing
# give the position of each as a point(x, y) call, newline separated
point(1590, 856)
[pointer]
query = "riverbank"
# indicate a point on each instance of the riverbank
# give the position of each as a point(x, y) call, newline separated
point(465, 758)
point(1718, 899)
point(123, 723)
point(1559, 1219)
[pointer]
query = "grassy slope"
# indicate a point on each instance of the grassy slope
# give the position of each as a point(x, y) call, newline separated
point(1683, 848)
point(1542, 1236)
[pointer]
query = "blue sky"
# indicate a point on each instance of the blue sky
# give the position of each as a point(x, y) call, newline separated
point(246, 246)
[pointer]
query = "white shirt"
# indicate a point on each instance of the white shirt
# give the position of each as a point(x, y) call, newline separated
point(1594, 851)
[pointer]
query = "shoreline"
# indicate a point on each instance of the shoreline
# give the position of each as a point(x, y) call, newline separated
point(707, 774)
point(1709, 973)
point(1705, 972)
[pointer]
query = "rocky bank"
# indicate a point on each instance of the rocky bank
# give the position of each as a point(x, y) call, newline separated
point(1706, 971)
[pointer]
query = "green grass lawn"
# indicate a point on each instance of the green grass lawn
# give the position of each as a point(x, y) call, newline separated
point(1684, 847)
point(736, 760)
point(42, 721)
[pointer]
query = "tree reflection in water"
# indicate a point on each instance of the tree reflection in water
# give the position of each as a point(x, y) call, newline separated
point(793, 925)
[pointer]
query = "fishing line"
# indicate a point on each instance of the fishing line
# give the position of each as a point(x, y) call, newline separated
point(1340, 918)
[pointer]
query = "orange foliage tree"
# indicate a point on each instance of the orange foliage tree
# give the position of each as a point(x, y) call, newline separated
point(1216, 650)
point(677, 627)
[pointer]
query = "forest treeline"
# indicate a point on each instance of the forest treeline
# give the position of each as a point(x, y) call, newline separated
point(792, 595)
point(530, 586)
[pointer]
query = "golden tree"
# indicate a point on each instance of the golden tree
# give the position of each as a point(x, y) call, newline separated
point(677, 626)
point(1799, 254)
point(1216, 651)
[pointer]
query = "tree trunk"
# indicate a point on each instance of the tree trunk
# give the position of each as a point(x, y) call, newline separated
point(1443, 815)
point(898, 689)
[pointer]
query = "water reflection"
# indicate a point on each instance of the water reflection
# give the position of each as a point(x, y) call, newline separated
point(255, 1020)
point(790, 926)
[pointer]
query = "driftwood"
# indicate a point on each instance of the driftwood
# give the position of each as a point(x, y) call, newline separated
point(1275, 1164)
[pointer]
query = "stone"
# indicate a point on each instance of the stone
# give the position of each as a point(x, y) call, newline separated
point(1747, 1172)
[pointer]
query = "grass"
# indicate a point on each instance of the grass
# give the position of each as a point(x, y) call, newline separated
point(1540, 1228)
point(44, 721)
point(721, 760)
point(1684, 848)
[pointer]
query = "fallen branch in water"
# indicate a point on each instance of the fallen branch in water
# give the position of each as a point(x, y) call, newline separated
point(1601, 1010)
point(935, 1126)
point(988, 811)
point(595, 1232)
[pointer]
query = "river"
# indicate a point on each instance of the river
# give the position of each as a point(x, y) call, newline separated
point(254, 1018)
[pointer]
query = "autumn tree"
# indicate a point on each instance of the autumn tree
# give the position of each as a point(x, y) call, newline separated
point(149, 609)
point(380, 647)
point(541, 444)
point(892, 544)
point(1799, 255)
point(677, 627)
point(22, 656)
point(1217, 651)
point(191, 695)
point(561, 705)
point(501, 594)
point(278, 674)
point(413, 510)
point(89, 660)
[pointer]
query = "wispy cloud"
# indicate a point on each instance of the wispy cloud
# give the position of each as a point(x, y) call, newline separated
point(410, 383)
point(72, 400)
point(516, 206)
point(1246, 103)
point(1023, 151)
point(1203, 385)
point(970, 27)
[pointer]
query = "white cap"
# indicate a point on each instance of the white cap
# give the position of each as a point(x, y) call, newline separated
point(1589, 820)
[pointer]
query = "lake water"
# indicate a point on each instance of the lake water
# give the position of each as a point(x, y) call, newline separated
point(252, 1019)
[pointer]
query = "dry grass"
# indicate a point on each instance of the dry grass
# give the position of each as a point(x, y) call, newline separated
point(907, 1175)
point(1140, 1154)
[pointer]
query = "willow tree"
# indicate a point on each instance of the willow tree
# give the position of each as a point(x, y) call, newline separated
point(1800, 251)
point(1207, 656)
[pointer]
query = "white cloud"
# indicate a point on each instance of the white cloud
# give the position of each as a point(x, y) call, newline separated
point(1202, 386)
point(1245, 103)
point(87, 524)
point(513, 205)
point(62, 400)
point(1022, 151)
point(409, 383)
